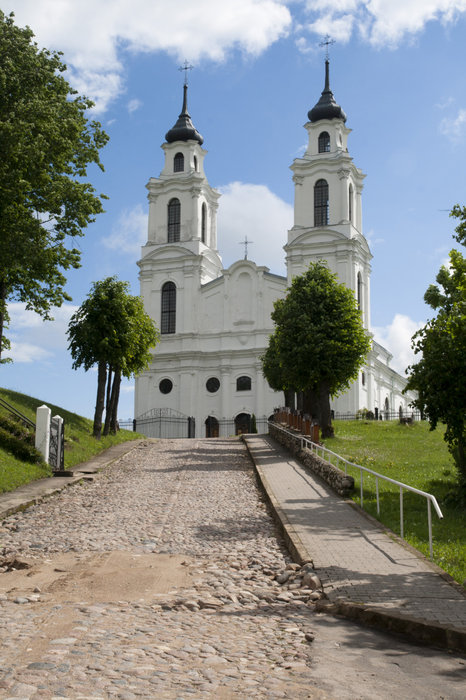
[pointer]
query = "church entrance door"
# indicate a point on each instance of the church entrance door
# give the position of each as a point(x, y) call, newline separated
point(242, 423)
point(211, 427)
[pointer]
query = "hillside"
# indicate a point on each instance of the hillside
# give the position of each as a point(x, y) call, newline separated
point(79, 443)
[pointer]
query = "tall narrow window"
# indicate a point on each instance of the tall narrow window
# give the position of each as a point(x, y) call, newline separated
point(168, 315)
point(350, 203)
point(203, 223)
point(174, 218)
point(324, 142)
point(178, 163)
point(360, 291)
point(195, 163)
point(321, 203)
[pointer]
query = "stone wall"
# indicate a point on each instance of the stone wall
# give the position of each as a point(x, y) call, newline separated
point(336, 478)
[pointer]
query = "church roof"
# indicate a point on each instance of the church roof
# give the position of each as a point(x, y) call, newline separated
point(184, 129)
point(326, 107)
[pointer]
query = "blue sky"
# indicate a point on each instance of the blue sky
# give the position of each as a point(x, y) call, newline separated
point(398, 69)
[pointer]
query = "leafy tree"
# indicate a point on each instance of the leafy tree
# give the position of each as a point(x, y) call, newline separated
point(111, 330)
point(440, 375)
point(46, 144)
point(319, 342)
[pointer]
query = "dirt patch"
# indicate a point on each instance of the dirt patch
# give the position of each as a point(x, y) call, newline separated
point(101, 577)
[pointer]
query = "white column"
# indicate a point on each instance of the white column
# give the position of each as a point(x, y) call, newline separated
point(42, 443)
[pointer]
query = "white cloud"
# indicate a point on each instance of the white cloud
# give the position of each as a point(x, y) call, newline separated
point(129, 233)
point(454, 128)
point(134, 105)
point(380, 22)
point(32, 338)
point(256, 212)
point(396, 337)
point(94, 35)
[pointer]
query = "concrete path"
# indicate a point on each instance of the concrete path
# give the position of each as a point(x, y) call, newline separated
point(366, 573)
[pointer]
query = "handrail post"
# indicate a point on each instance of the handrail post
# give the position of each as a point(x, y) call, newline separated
point(401, 513)
point(377, 492)
point(429, 520)
point(362, 492)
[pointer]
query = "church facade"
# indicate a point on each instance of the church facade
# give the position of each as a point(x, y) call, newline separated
point(215, 323)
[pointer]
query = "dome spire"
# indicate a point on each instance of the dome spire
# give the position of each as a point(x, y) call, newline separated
point(326, 107)
point(184, 129)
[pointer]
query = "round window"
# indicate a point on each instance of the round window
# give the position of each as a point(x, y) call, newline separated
point(165, 386)
point(212, 385)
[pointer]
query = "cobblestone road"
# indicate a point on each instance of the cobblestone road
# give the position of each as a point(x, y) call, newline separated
point(226, 629)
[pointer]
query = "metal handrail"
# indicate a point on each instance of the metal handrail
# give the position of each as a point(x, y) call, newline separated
point(24, 419)
point(314, 447)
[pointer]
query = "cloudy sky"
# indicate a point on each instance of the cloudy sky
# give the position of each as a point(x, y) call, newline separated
point(398, 68)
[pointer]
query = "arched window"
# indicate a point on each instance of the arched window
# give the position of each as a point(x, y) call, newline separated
point(203, 222)
point(174, 219)
point(178, 163)
point(350, 202)
point(324, 142)
point(243, 384)
point(168, 315)
point(360, 291)
point(195, 163)
point(321, 204)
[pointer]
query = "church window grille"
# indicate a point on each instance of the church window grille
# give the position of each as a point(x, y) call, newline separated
point(243, 384)
point(321, 203)
point(203, 223)
point(174, 220)
point(212, 384)
point(360, 290)
point(178, 163)
point(350, 203)
point(165, 386)
point(324, 142)
point(168, 316)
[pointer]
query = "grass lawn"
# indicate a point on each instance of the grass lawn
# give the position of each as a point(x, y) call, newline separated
point(417, 457)
point(79, 443)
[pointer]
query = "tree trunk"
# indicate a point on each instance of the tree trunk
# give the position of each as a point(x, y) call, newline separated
point(112, 400)
point(325, 413)
point(99, 405)
point(114, 418)
point(3, 315)
point(311, 405)
point(290, 398)
point(109, 389)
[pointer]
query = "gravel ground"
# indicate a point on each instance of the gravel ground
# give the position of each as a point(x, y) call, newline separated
point(228, 629)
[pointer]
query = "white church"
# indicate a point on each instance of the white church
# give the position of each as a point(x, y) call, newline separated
point(214, 322)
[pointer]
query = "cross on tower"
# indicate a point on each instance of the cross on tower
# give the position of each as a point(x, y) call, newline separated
point(186, 66)
point(246, 243)
point(327, 41)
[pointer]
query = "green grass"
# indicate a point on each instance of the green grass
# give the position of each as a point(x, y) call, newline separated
point(79, 443)
point(415, 456)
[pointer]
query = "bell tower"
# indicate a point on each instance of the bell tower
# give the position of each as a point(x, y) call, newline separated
point(181, 250)
point(327, 207)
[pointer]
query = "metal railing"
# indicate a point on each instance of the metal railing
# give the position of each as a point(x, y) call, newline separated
point(316, 449)
point(17, 414)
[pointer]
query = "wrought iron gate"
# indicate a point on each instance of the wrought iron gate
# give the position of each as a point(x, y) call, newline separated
point(57, 444)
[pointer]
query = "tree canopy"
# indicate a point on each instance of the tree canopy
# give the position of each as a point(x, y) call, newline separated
point(440, 375)
point(111, 330)
point(319, 342)
point(46, 145)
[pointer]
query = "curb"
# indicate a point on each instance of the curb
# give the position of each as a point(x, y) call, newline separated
point(37, 491)
point(417, 630)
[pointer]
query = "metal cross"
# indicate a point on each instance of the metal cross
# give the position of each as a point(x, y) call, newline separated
point(187, 66)
point(327, 41)
point(246, 243)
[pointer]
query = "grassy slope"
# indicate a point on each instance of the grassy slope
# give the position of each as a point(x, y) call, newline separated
point(79, 443)
point(417, 457)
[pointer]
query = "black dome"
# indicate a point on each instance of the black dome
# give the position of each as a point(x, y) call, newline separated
point(184, 129)
point(326, 108)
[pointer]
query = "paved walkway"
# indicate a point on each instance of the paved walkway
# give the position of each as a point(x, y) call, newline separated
point(366, 574)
